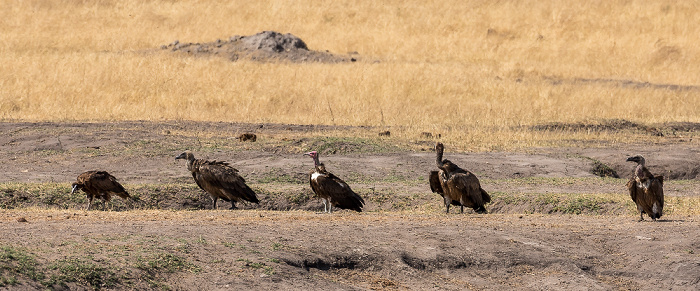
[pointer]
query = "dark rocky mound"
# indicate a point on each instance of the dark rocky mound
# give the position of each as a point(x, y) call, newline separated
point(266, 46)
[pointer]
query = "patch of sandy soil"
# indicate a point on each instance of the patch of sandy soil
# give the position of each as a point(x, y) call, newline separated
point(347, 251)
point(377, 249)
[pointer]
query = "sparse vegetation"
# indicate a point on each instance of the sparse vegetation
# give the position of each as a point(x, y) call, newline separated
point(16, 263)
point(82, 272)
point(385, 196)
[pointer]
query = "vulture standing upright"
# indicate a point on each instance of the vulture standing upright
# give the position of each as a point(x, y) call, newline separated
point(456, 185)
point(219, 180)
point(332, 190)
point(99, 184)
point(646, 190)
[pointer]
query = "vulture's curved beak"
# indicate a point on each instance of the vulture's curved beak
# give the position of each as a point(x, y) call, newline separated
point(75, 188)
point(181, 156)
point(632, 159)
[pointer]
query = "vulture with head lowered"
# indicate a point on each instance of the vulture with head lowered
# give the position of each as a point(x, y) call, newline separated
point(332, 190)
point(219, 180)
point(99, 184)
point(456, 185)
point(646, 190)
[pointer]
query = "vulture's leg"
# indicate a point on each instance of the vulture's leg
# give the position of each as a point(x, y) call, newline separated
point(324, 206)
point(89, 202)
point(214, 198)
point(641, 216)
point(448, 201)
point(461, 209)
point(330, 206)
point(233, 205)
point(655, 210)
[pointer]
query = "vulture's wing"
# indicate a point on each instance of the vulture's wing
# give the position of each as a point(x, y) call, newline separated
point(105, 182)
point(226, 178)
point(657, 189)
point(468, 184)
point(465, 181)
point(196, 177)
point(340, 193)
point(634, 190)
point(435, 185)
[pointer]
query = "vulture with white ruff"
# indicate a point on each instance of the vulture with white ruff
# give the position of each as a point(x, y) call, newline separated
point(646, 190)
point(456, 185)
point(219, 180)
point(99, 184)
point(332, 190)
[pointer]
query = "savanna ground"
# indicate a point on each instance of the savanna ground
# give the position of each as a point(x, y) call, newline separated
point(538, 98)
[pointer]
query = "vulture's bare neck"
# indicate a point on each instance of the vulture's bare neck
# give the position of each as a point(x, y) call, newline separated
point(640, 169)
point(320, 167)
point(641, 162)
point(191, 164)
point(438, 160)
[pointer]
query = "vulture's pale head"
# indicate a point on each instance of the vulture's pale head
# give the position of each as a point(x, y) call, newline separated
point(636, 159)
point(75, 187)
point(187, 155)
point(313, 154)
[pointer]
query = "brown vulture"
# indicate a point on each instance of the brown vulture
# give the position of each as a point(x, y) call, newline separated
point(456, 185)
point(646, 190)
point(219, 180)
point(332, 190)
point(99, 184)
point(436, 187)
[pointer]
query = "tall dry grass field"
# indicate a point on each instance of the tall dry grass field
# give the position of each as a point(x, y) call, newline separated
point(474, 70)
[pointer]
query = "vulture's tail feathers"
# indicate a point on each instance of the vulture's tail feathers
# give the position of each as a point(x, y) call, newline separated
point(353, 202)
point(123, 194)
point(249, 195)
point(481, 210)
point(485, 197)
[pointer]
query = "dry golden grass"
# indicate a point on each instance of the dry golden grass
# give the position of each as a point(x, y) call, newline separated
point(474, 69)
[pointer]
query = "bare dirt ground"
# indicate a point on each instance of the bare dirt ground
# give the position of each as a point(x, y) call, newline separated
point(403, 240)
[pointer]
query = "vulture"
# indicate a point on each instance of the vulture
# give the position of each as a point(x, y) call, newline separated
point(457, 186)
point(332, 190)
point(99, 184)
point(436, 187)
point(219, 180)
point(646, 190)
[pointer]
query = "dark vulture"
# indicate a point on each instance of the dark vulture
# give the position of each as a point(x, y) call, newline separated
point(646, 190)
point(436, 187)
point(219, 180)
point(332, 190)
point(99, 184)
point(456, 185)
